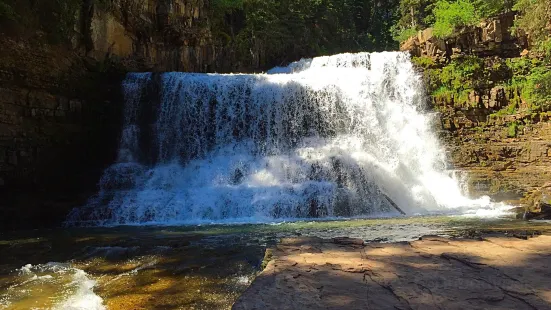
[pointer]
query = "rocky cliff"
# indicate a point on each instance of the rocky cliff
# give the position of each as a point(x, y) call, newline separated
point(492, 129)
point(153, 35)
point(58, 128)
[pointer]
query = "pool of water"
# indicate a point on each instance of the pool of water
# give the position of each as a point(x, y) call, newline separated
point(186, 267)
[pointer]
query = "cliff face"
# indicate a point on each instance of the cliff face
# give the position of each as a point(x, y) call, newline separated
point(491, 129)
point(492, 37)
point(58, 125)
point(153, 35)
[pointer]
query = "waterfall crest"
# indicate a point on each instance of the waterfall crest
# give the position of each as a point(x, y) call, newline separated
point(345, 135)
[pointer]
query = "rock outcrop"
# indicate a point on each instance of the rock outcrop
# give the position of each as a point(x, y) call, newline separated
point(495, 272)
point(155, 35)
point(492, 37)
point(538, 204)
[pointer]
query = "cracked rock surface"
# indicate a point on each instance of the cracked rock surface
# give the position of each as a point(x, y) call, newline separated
point(494, 272)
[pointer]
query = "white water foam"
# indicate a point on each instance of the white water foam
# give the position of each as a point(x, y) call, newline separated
point(339, 136)
point(62, 286)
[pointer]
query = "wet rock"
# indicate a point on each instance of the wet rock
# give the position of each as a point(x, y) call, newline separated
point(538, 204)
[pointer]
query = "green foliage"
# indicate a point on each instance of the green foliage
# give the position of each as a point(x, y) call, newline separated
point(56, 18)
point(227, 5)
point(539, 87)
point(7, 12)
point(445, 15)
point(268, 33)
point(508, 110)
point(401, 35)
point(414, 14)
point(423, 62)
point(460, 75)
point(532, 75)
point(532, 78)
point(534, 20)
point(488, 8)
point(527, 81)
point(450, 15)
point(513, 129)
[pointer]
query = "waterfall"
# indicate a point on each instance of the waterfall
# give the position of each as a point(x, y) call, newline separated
point(339, 136)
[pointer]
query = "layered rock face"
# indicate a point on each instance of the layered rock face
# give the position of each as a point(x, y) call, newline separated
point(153, 35)
point(492, 37)
point(504, 167)
point(493, 134)
point(58, 128)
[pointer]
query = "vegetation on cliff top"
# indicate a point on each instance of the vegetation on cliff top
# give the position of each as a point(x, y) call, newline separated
point(56, 19)
point(445, 16)
point(527, 80)
point(268, 33)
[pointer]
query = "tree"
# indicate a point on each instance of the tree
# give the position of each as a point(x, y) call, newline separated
point(275, 32)
point(450, 15)
point(535, 20)
point(413, 15)
point(488, 8)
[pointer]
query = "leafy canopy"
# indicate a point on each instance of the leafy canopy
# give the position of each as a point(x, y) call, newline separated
point(444, 15)
point(450, 15)
point(535, 20)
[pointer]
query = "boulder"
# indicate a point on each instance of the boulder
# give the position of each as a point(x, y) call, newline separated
point(425, 36)
point(497, 98)
point(538, 204)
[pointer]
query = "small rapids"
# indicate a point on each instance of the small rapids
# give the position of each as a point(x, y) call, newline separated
point(339, 136)
point(53, 286)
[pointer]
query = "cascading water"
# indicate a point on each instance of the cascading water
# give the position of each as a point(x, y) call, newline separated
point(334, 136)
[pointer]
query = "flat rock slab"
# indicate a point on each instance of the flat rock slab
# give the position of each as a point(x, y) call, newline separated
point(495, 272)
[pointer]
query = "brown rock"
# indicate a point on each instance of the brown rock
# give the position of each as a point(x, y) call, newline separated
point(491, 38)
point(348, 241)
point(525, 52)
point(538, 203)
point(425, 36)
point(494, 272)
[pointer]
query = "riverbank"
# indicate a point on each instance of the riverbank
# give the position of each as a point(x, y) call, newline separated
point(489, 270)
point(189, 267)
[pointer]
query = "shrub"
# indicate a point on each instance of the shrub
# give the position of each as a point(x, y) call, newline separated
point(450, 15)
point(401, 35)
point(488, 8)
point(534, 20)
point(513, 130)
point(463, 74)
point(532, 78)
point(7, 12)
point(423, 62)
